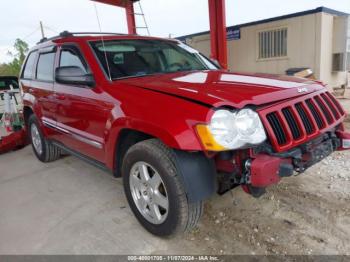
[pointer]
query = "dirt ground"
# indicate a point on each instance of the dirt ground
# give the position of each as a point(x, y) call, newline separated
point(307, 214)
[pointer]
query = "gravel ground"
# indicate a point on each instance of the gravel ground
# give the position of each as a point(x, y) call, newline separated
point(306, 214)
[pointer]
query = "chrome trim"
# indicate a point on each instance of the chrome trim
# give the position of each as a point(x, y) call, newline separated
point(48, 124)
point(87, 141)
point(75, 136)
point(62, 130)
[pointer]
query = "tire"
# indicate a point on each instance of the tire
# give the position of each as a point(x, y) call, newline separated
point(181, 216)
point(48, 152)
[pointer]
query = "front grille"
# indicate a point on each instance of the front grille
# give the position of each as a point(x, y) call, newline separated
point(277, 128)
point(305, 118)
point(324, 109)
point(315, 113)
point(296, 121)
point(288, 114)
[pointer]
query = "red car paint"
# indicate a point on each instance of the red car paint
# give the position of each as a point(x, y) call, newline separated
point(167, 106)
point(269, 167)
point(12, 141)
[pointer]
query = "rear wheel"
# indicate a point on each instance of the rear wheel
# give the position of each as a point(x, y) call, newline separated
point(155, 192)
point(43, 149)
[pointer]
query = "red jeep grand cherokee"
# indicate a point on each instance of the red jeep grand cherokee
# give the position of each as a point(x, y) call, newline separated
point(171, 123)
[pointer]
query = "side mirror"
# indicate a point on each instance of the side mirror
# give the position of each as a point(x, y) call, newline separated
point(74, 75)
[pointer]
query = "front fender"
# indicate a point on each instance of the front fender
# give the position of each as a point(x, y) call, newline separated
point(185, 140)
point(169, 119)
point(196, 171)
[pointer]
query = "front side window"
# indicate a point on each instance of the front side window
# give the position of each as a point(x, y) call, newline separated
point(29, 67)
point(70, 57)
point(132, 58)
point(272, 43)
point(45, 68)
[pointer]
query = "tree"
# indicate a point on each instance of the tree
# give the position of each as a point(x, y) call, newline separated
point(13, 68)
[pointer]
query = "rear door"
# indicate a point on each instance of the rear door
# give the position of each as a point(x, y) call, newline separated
point(81, 112)
point(41, 87)
point(27, 75)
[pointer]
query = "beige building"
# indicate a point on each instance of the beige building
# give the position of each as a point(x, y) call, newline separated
point(318, 39)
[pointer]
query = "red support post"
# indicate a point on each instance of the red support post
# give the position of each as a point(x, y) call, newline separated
point(130, 18)
point(218, 34)
point(130, 12)
point(217, 15)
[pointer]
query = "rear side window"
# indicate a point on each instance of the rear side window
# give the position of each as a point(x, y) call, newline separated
point(45, 68)
point(29, 67)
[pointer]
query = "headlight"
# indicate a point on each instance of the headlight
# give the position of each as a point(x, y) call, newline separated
point(230, 130)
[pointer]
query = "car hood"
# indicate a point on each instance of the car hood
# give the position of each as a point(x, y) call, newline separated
point(219, 88)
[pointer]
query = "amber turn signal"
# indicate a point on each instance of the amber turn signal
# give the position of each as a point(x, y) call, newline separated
point(207, 139)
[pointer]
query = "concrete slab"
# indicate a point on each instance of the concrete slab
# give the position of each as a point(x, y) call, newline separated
point(68, 207)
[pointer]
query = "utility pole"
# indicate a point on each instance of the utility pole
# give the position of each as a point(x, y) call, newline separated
point(42, 30)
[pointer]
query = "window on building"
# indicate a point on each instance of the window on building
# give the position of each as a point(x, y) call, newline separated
point(273, 43)
point(45, 66)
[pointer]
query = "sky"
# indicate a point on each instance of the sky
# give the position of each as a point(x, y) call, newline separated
point(20, 18)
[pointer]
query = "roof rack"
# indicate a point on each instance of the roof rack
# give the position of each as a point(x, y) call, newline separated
point(65, 34)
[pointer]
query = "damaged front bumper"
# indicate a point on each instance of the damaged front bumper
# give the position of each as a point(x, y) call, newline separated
point(264, 167)
point(268, 168)
point(344, 140)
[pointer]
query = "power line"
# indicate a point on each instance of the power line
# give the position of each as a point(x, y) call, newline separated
point(51, 29)
point(32, 33)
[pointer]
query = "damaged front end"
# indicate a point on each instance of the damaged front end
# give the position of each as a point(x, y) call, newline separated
point(301, 132)
point(255, 169)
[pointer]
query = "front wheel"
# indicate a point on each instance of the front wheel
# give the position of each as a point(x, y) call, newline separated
point(155, 192)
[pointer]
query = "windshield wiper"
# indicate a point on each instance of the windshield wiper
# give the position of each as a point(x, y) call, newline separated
point(135, 76)
point(160, 73)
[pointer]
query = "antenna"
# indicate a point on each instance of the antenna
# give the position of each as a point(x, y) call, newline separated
point(42, 30)
point(103, 43)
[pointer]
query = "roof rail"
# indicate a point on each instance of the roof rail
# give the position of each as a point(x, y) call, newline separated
point(65, 34)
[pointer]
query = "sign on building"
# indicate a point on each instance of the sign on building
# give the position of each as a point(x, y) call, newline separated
point(234, 34)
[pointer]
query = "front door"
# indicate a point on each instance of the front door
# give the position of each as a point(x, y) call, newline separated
point(80, 111)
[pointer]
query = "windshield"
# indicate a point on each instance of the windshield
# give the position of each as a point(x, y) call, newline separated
point(132, 58)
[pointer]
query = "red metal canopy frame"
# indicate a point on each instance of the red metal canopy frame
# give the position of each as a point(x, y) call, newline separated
point(217, 14)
